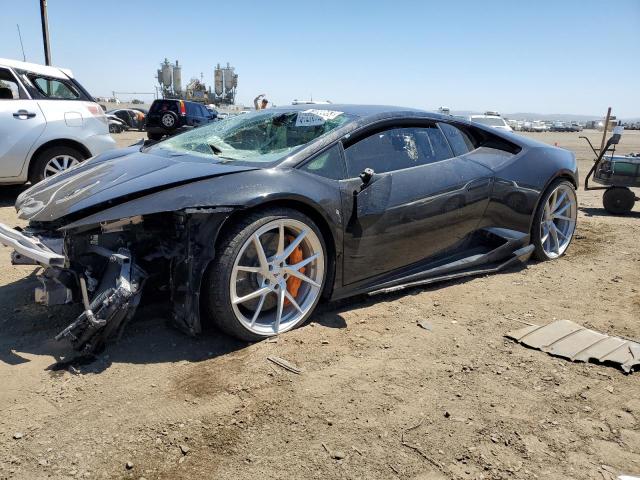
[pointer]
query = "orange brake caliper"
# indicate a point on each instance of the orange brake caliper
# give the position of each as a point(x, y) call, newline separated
point(293, 283)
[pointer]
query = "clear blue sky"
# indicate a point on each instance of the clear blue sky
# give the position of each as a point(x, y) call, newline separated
point(513, 56)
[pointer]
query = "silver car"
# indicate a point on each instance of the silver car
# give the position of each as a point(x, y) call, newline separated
point(48, 122)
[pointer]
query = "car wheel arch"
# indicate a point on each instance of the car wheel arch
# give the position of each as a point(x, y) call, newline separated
point(63, 142)
point(560, 175)
point(313, 212)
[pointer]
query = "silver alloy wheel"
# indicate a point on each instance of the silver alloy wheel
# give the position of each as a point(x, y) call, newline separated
point(558, 222)
point(260, 296)
point(58, 164)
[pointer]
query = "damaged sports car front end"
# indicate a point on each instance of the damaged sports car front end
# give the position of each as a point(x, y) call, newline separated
point(104, 265)
point(147, 218)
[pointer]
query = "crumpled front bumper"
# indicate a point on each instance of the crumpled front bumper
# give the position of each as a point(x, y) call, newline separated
point(30, 247)
point(113, 302)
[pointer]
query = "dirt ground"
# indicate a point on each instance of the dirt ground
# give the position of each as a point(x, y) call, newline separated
point(378, 397)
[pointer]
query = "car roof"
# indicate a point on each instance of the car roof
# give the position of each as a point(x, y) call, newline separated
point(174, 100)
point(49, 71)
point(364, 111)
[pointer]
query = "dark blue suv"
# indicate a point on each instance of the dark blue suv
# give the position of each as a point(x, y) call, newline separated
point(171, 116)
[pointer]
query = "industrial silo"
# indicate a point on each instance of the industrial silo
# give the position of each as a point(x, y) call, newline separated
point(177, 78)
point(166, 73)
point(230, 78)
point(218, 80)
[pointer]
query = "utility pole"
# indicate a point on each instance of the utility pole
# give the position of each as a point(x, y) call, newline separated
point(45, 31)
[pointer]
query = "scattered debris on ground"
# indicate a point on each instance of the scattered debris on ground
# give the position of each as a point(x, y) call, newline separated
point(567, 339)
point(281, 362)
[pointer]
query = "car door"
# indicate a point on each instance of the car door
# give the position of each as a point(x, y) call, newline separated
point(420, 205)
point(21, 123)
point(193, 114)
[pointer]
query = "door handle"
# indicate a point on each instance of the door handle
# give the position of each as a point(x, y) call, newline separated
point(23, 115)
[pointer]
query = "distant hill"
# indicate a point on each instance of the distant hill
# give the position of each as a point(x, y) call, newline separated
point(561, 117)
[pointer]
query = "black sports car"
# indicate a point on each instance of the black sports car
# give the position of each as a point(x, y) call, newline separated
point(251, 221)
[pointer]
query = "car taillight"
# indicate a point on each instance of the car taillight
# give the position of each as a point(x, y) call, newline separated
point(183, 109)
point(97, 112)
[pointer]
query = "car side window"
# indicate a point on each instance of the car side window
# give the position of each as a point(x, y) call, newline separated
point(9, 89)
point(461, 142)
point(396, 149)
point(54, 88)
point(328, 164)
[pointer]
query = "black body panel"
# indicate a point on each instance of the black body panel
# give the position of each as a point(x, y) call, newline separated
point(429, 210)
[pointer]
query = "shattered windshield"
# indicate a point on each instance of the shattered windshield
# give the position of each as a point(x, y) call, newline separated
point(264, 136)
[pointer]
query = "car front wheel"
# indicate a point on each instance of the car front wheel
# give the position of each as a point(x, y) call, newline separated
point(555, 220)
point(268, 274)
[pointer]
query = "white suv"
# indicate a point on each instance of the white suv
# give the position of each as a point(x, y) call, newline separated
point(48, 122)
point(491, 120)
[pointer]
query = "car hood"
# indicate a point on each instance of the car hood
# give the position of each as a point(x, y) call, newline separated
point(112, 178)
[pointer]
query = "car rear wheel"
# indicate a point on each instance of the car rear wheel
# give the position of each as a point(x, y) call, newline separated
point(618, 200)
point(54, 160)
point(268, 275)
point(555, 220)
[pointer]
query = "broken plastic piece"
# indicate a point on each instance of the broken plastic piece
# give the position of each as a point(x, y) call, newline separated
point(569, 340)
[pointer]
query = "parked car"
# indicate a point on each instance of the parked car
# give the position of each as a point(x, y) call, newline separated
point(116, 125)
point(539, 126)
point(258, 217)
point(560, 127)
point(492, 121)
point(132, 117)
point(169, 117)
point(48, 122)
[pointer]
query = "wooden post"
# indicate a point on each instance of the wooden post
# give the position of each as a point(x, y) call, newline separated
point(606, 127)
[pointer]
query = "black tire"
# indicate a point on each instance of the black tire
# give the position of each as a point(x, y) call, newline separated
point(154, 136)
point(539, 253)
point(618, 200)
point(113, 128)
point(169, 120)
point(215, 287)
point(40, 162)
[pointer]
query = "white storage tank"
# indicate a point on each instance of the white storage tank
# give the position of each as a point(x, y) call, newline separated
point(177, 78)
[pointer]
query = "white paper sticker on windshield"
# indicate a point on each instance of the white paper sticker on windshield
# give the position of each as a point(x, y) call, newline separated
point(313, 117)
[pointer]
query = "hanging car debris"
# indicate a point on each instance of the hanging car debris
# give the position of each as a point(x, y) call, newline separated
point(566, 339)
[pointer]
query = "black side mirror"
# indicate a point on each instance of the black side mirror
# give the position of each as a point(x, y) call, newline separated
point(366, 176)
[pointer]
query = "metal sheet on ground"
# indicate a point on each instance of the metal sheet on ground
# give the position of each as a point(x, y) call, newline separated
point(567, 339)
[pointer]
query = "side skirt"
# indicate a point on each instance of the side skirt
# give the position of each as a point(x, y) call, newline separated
point(519, 256)
point(488, 250)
